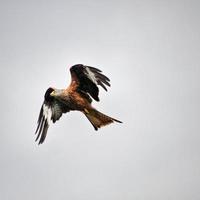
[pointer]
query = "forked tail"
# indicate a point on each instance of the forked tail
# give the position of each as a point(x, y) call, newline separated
point(98, 119)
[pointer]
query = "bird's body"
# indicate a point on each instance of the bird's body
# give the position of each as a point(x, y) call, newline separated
point(73, 100)
point(77, 96)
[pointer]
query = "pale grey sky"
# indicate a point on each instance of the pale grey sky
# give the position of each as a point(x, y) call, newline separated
point(150, 51)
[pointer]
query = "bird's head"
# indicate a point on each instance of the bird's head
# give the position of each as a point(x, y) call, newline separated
point(56, 92)
point(52, 93)
point(47, 95)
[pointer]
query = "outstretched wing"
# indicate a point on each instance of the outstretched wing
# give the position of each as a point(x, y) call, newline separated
point(51, 110)
point(88, 79)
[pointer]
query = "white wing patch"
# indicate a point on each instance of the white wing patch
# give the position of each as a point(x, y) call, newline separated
point(47, 113)
point(91, 75)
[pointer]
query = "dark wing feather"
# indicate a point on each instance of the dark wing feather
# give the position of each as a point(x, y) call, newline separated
point(88, 79)
point(51, 109)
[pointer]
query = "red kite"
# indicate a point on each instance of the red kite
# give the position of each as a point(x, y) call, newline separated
point(78, 96)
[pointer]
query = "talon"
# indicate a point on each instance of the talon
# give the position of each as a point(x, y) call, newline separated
point(86, 111)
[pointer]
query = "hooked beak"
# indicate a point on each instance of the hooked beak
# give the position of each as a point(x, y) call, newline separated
point(52, 93)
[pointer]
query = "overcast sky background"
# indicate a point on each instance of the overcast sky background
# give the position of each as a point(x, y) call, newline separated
point(150, 51)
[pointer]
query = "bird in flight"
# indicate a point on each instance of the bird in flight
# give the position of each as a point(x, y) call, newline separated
point(76, 97)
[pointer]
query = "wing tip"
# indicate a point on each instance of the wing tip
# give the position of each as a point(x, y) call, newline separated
point(116, 120)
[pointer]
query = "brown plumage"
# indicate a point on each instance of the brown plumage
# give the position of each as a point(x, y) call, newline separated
point(78, 96)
